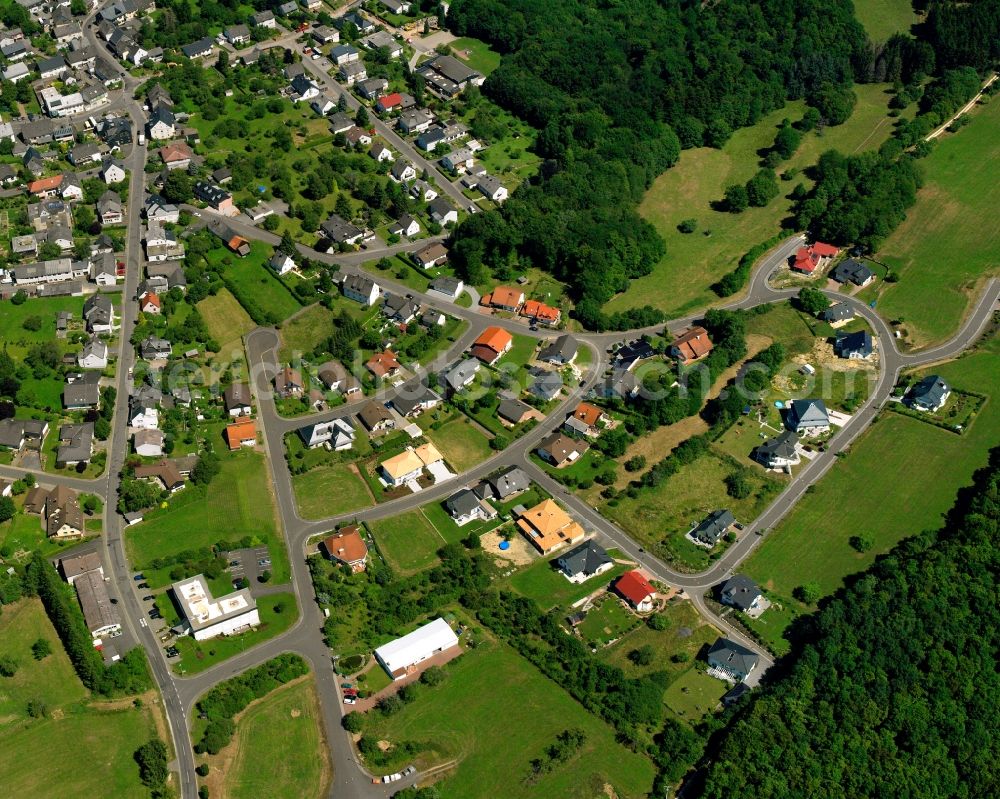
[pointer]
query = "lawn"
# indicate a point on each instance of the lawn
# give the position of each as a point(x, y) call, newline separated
point(943, 251)
point(811, 544)
point(304, 333)
point(16, 338)
point(660, 517)
point(686, 633)
point(277, 613)
point(252, 277)
point(330, 490)
point(94, 741)
point(458, 720)
point(694, 694)
point(680, 282)
point(607, 621)
point(23, 533)
point(237, 503)
point(462, 443)
point(883, 18)
point(439, 518)
point(408, 541)
point(545, 583)
point(279, 748)
point(227, 323)
point(477, 54)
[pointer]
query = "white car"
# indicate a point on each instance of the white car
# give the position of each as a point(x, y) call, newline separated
point(350, 700)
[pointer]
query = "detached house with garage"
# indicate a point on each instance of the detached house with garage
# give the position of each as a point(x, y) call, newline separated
point(691, 346)
point(807, 417)
point(582, 562)
point(779, 452)
point(492, 345)
point(929, 395)
point(466, 506)
point(636, 590)
point(808, 259)
point(348, 547)
point(740, 592)
point(732, 659)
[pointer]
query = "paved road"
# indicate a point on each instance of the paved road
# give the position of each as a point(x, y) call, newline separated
point(351, 780)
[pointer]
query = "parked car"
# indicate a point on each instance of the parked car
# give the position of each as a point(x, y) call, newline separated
point(350, 700)
point(139, 576)
point(143, 585)
point(148, 598)
point(411, 769)
point(264, 562)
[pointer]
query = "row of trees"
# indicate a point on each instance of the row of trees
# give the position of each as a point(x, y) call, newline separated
point(892, 684)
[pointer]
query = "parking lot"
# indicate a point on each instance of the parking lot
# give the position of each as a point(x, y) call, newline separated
point(249, 564)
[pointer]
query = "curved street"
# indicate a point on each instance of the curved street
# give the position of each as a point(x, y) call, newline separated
point(351, 780)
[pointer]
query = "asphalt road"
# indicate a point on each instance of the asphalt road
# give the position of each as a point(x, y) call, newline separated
point(351, 779)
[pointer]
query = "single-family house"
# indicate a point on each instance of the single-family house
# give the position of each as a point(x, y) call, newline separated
point(345, 54)
point(237, 34)
point(372, 88)
point(635, 588)
point(154, 348)
point(360, 289)
point(353, 72)
point(692, 345)
point(540, 313)
point(148, 443)
point(241, 433)
point(854, 346)
point(492, 344)
point(505, 298)
point(509, 483)
point(340, 231)
point(733, 659)
point(434, 255)
point(335, 434)
point(376, 417)
point(288, 383)
point(808, 259)
point(236, 398)
point(561, 450)
point(388, 103)
point(150, 303)
point(740, 592)
point(547, 527)
point(215, 196)
point(512, 412)
point(779, 452)
point(381, 153)
point(348, 547)
point(929, 395)
point(837, 314)
point(94, 355)
point(335, 377)
point(442, 211)
point(384, 365)
point(584, 561)
point(414, 398)
point(465, 506)
point(402, 170)
point(76, 444)
point(710, 529)
point(491, 188)
point(460, 374)
point(560, 352)
point(588, 418)
point(112, 170)
point(281, 263)
point(176, 155)
point(807, 417)
point(62, 514)
point(404, 227)
point(852, 271)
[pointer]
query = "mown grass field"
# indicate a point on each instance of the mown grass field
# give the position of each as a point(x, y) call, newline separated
point(328, 490)
point(458, 720)
point(462, 443)
point(408, 541)
point(694, 694)
point(303, 333)
point(898, 479)
point(946, 247)
point(16, 338)
point(237, 503)
point(82, 748)
point(883, 18)
point(253, 276)
point(680, 282)
point(279, 748)
point(227, 323)
point(477, 54)
point(545, 583)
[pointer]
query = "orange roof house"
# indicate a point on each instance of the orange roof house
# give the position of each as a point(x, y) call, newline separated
point(150, 303)
point(239, 245)
point(635, 589)
point(45, 186)
point(176, 153)
point(242, 433)
point(541, 313)
point(809, 259)
point(691, 345)
point(548, 527)
point(589, 414)
point(347, 546)
point(505, 297)
point(383, 364)
point(492, 344)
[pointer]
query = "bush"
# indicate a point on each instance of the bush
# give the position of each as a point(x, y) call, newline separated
point(658, 622)
point(433, 675)
point(736, 199)
point(37, 709)
point(688, 226)
point(862, 543)
point(41, 649)
point(353, 722)
point(809, 593)
point(643, 656)
point(635, 463)
point(152, 760)
point(202, 769)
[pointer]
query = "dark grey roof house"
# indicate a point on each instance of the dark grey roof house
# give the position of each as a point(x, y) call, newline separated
point(851, 271)
point(561, 351)
point(838, 312)
point(740, 592)
point(713, 527)
point(854, 346)
point(780, 451)
point(930, 394)
point(807, 417)
point(733, 659)
point(584, 561)
point(510, 482)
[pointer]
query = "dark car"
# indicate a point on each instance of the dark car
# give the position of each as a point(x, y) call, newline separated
point(148, 598)
point(143, 585)
point(234, 563)
point(139, 576)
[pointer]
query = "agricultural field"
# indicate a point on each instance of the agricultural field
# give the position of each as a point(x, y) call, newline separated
point(462, 443)
point(278, 750)
point(409, 542)
point(237, 503)
point(883, 18)
point(456, 720)
point(681, 281)
point(812, 544)
point(329, 490)
point(943, 252)
point(94, 740)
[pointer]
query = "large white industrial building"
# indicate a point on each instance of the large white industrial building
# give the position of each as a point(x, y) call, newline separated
point(402, 656)
point(207, 617)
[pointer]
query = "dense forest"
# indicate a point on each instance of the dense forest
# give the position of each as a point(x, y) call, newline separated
point(617, 90)
point(895, 690)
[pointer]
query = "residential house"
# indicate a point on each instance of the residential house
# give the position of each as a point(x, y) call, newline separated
point(94, 355)
point(344, 54)
point(81, 395)
point(148, 443)
point(415, 398)
point(733, 659)
point(442, 211)
point(547, 527)
point(509, 483)
point(236, 398)
point(415, 120)
point(62, 514)
point(304, 88)
point(162, 123)
point(545, 384)
point(142, 415)
point(357, 137)
point(505, 298)
point(76, 566)
point(237, 34)
point(389, 102)
point(199, 49)
point(465, 506)
point(375, 417)
point(233, 241)
point(159, 210)
point(492, 344)
point(348, 547)
point(808, 259)
point(51, 68)
point(154, 348)
point(431, 138)
point(263, 19)
point(630, 355)
point(854, 272)
point(335, 377)
point(837, 314)
point(82, 155)
point(215, 196)
point(281, 263)
point(176, 155)
point(692, 345)
point(341, 123)
point(404, 227)
point(323, 34)
point(491, 188)
point(561, 450)
point(434, 255)
point(740, 592)
point(460, 374)
point(854, 346)
point(780, 452)
point(241, 433)
point(410, 464)
point(929, 395)
point(635, 588)
point(807, 417)
point(588, 419)
point(16, 433)
point(341, 231)
point(541, 314)
point(384, 365)
point(150, 303)
point(353, 72)
point(112, 170)
point(560, 352)
point(99, 314)
point(582, 562)
point(372, 88)
point(323, 105)
point(447, 76)
point(110, 209)
point(288, 383)
point(402, 170)
point(166, 473)
point(360, 289)
point(399, 308)
point(336, 434)
point(458, 160)
point(512, 412)
point(710, 529)
point(381, 153)
point(446, 287)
